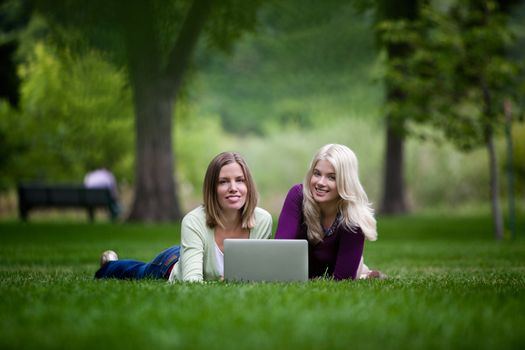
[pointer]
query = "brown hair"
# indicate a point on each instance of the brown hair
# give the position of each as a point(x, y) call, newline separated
point(209, 191)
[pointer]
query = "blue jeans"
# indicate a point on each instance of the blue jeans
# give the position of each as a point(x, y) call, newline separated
point(132, 269)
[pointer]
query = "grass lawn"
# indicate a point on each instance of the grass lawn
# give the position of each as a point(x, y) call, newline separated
point(451, 286)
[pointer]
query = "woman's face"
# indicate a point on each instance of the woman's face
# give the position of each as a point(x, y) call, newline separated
point(231, 188)
point(322, 183)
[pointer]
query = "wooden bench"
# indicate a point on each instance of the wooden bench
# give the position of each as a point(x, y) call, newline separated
point(32, 196)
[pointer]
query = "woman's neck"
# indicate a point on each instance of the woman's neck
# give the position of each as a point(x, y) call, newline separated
point(328, 214)
point(232, 229)
point(231, 220)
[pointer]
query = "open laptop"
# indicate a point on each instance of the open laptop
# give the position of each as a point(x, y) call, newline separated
point(269, 260)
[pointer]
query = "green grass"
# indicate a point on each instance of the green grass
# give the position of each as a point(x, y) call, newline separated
point(451, 286)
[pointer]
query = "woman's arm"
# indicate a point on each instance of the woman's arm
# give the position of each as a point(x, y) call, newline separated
point(290, 219)
point(349, 254)
point(263, 225)
point(192, 242)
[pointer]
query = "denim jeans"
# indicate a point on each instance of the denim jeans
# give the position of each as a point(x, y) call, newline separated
point(132, 269)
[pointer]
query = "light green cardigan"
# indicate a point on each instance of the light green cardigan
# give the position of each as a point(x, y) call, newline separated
point(197, 256)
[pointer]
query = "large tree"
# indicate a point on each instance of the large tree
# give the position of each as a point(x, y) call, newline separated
point(458, 76)
point(394, 199)
point(154, 40)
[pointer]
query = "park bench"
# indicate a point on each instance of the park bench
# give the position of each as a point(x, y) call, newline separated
point(32, 196)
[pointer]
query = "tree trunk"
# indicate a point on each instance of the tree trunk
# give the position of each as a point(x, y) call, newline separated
point(497, 216)
point(155, 199)
point(507, 108)
point(155, 88)
point(394, 199)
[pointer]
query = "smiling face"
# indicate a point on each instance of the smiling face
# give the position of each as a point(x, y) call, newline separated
point(323, 185)
point(231, 187)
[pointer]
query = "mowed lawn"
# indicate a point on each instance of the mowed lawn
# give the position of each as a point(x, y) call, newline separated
point(451, 286)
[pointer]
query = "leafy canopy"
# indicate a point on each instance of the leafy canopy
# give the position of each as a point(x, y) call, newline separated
point(458, 72)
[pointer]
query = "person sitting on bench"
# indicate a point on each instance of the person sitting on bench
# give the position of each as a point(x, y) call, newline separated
point(103, 178)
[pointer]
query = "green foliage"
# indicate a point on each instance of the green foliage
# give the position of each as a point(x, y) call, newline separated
point(12, 145)
point(280, 159)
point(305, 79)
point(229, 21)
point(518, 156)
point(308, 64)
point(81, 25)
point(197, 139)
point(457, 73)
point(451, 287)
point(75, 115)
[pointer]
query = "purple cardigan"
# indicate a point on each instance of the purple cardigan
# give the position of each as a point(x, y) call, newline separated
point(338, 255)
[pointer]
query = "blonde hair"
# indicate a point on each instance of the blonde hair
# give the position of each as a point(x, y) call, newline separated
point(212, 207)
point(353, 206)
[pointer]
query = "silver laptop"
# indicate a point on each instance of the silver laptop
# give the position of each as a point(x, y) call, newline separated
point(269, 260)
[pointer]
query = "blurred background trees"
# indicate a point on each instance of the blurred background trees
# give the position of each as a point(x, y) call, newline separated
point(394, 199)
point(153, 42)
point(274, 81)
point(460, 53)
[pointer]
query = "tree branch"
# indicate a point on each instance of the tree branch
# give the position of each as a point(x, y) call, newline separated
point(179, 57)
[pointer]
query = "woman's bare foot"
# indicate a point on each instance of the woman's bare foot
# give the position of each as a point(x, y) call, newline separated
point(108, 255)
point(376, 274)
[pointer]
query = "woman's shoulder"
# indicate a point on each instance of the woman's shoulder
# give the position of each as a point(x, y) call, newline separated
point(196, 214)
point(263, 224)
point(296, 190)
point(262, 214)
point(297, 187)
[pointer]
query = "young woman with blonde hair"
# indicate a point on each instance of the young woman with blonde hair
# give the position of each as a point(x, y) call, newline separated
point(229, 210)
point(331, 210)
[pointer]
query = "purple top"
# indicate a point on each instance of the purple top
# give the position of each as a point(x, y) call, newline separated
point(338, 255)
